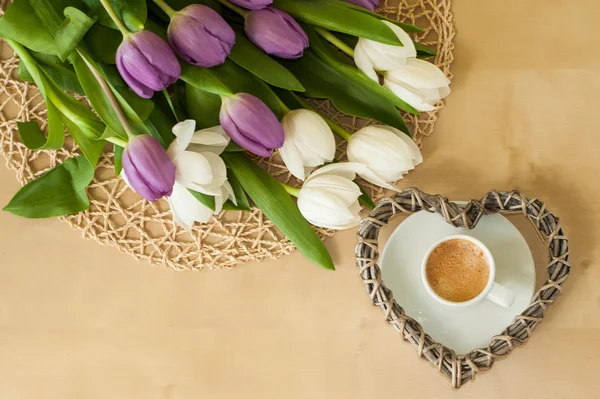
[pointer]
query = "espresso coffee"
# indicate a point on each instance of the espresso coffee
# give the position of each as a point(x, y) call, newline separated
point(457, 270)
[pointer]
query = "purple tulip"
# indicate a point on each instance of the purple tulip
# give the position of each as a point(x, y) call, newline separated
point(252, 4)
point(368, 4)
point(200, 36)
point(251, 124)
point(147, 63)
point(276, 33)
point(147, 167)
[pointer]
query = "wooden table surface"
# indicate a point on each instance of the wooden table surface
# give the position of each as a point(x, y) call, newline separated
point(78, 320)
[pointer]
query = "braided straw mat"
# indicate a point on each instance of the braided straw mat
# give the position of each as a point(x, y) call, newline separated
point(145, 230)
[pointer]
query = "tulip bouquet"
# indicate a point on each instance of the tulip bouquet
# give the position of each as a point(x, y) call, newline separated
point(184, 89)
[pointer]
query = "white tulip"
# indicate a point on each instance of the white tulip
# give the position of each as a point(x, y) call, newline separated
point(371, 56)
point(199, 168)
point(419, 83)
point(387, 153)
point(309, 142)
point(329, 197)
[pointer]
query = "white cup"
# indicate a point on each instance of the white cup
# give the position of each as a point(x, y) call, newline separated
point(492, 291)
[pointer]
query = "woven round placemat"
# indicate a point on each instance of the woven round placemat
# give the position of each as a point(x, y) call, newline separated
point(460, 369)
point(146, 231)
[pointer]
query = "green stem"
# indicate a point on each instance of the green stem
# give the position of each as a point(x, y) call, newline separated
point(338, 129)
point(113, 15)
point(165, 7)
point(235, 8)
point(293, 191)
point(109, 95)
point(331, 38)
point(170, 102)
point(118, 141)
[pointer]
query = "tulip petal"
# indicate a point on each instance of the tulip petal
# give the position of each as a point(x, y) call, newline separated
point(363, 62)
point(382, 151)
point(159, 57)
point(419, 74)
point(291, 157)
point(410, 96)
point(347, 170)
point(213, 136)
point(414, 148)
point(139, 88)
point(187, 209)
point(218, 170)
point(183, 131)
point(193, 169)
point(345, 190)
point(230, 192)
point(386, 57)
point(313, 134)
point(372, 177)
point(322, 209)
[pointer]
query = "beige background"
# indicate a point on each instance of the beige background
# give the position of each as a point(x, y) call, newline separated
point(78, 320)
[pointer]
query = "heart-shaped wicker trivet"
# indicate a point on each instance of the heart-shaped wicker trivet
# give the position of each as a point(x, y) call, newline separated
point(461, 369)
point(145, 230)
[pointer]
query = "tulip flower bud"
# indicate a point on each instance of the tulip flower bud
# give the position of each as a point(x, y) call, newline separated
point(371, 56)
point(419, 83)
point(200, 36)
point(276, 33)
point(309, 142)
point(147, 168)
point(387, 153)
point(252, 4)
point(147, 63)
point(329, 197)
point(251, 124)
point(370, 5)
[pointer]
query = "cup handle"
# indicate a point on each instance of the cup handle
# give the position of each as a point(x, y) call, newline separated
point(501, 295)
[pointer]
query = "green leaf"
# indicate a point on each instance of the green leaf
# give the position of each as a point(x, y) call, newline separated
point(96, 96)
point(338, 62)
point(240, 195)
point(58, 192)
point(60, 72)
point(338, 18)
point(181, 4)
point(50, 13)
point(406, 27)
point(322, 81)
point(423, 51)
point(34, 138)
point(133, 13)
point(205, 79)
point(103, 42)
point(24, 73)
point(206, 200)
point(72, 109)
point(365, 199)
point(21, 24)
point(92, 149)
point(229, 78)
point(269, 195)
point(160, 124)
point(203, 107)
point(118, 159)
point(254, 60)
point(72, 31)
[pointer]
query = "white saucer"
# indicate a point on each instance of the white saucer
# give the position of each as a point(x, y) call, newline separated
point(459, 329)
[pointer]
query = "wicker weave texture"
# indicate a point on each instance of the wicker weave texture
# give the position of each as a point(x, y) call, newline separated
point(122, 219)
point(460, 369)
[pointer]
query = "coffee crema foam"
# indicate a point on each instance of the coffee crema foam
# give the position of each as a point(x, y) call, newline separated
point(458, 270)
